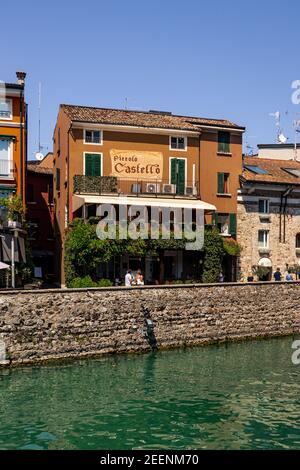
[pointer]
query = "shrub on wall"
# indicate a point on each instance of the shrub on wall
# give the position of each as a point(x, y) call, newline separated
point(213, 255)
point(231, 247)
point(87, 281)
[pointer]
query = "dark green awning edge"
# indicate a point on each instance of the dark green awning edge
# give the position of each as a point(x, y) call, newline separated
point(8, 137)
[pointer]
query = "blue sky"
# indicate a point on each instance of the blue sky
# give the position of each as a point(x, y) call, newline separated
point(232, 59)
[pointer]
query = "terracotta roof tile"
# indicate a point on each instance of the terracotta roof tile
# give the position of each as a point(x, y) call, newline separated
point(44, 166)
point(37, 169)
point(141, 118)
point(274, 168)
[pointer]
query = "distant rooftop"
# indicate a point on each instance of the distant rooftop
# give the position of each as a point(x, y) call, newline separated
point(14, 85)
point(44, 166)
point(271, 171)
point(278, 146)
point(154, 119)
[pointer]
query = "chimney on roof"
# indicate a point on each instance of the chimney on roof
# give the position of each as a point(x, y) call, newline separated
point(21, 77)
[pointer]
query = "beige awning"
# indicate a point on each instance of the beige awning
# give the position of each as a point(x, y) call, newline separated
point(80, 200)
point(265, 262)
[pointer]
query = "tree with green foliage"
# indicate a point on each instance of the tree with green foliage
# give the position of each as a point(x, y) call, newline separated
point(15, 208)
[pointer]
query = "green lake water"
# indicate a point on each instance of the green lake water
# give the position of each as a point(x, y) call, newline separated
point(236, 396)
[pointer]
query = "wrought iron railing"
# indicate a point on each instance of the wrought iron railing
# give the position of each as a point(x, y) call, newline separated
point(95, 184)
point(112, 185)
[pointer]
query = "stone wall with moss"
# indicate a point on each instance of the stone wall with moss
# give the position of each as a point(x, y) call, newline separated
point(58, 324)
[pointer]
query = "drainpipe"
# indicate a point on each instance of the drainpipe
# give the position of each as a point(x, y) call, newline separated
point(199, 171)
point(285, 195)
point(21, 145)
point(68, 175)
point(13, 269)
point(25, 146)
point(21, 81)
point(280, 216)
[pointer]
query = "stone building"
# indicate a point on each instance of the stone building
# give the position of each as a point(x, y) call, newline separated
point(269, 216)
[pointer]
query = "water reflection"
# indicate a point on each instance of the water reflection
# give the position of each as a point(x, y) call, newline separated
point(238, 396)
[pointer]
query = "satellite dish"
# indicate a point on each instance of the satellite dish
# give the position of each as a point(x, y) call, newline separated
point(282, 139)
point(39, 156)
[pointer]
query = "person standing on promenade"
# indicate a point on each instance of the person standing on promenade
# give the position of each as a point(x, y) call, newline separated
point(289, 276)
point(139, 278)
point(277, 275)
point(128, 278)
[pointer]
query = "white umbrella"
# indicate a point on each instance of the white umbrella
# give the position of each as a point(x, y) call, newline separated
point(4, 266)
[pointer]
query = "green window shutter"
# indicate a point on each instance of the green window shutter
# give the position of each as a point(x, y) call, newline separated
point(88, 164)
point(178, 174)
point(92, 164)
point(221, 183)
point(181, 176)
point(173, 170)
point(97, 165)
point(232, 224)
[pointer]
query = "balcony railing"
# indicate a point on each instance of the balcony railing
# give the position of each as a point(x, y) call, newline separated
point(112, 185)
point(6, 169)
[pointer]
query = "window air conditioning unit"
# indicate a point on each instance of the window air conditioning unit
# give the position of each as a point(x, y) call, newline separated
point(190, 190)
point(152, 188)
point(169, 188)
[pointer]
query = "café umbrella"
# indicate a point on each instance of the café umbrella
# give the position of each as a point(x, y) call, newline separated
point(4, 265)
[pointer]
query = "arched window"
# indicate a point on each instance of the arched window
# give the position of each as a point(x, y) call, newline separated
point(298, 240)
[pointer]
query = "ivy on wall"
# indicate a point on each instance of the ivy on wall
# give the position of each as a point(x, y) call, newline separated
point(213, 255)
point(84, 251)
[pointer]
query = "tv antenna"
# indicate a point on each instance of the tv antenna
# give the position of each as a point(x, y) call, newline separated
point(296, 126)
point(280, 137)
point(39, 155)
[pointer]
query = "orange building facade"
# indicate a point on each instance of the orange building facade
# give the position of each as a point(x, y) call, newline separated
point(105, 155)
point(13, 138)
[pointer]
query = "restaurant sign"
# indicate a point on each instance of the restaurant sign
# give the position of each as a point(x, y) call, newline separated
point(136, 164)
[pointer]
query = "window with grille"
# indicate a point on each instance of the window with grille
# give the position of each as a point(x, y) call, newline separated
point(92, 137)
point(177, 143)
point(224, 142)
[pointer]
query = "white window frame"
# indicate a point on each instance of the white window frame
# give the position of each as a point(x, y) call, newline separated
point(10, 118)
point(10, 153)
point(95, 153)
point(227, 222)
point(93, 143)
point(177, 137)
point(266, 205)
point(265, 244)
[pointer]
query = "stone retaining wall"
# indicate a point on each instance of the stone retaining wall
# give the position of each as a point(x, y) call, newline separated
point(56, 324)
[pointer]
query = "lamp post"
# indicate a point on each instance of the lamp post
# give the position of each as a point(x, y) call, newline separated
point(13, 282)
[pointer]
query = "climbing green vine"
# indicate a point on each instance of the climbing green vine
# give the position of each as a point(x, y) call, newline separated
point(84, 251)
